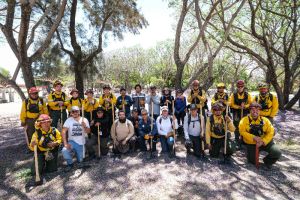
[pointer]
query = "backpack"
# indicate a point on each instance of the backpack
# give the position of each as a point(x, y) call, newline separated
point(215, 129)
point(79, 99)
point(263, 103)
point(171, 120)
point(256, 130)
point(216, 97)
point(63, 97)
point(238, 101)
point(33, 108)
point(47, 137)
point(189, 120)
point(198, 101)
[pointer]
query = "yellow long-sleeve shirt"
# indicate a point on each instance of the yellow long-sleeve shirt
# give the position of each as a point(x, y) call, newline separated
point(273, 106)
point(218, 96)
point(90, 105)
point(198, 99)
point(74, 102)
point(244, 128)
point(233, 104)
point(54, 136)
point(57, 96)
point(25, 110)
point(105, 104)
point(217, 120)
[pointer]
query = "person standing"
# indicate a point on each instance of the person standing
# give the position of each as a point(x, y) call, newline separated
point(198, 97)
point(154, 98)
point(239, 103)
point(124, 102)
point(166, 99)
point(108, 100)
point(90, 104)
point(32, 107)
point(268, 102)
point(138, 98)
point(57, 103)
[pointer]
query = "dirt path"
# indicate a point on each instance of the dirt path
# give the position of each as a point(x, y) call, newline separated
point(135, 177)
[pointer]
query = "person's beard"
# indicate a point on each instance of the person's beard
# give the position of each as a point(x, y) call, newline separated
point(263, 94)
point(35, 98)
point(122, 120)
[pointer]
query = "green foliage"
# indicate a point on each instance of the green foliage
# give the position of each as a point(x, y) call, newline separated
point(5, 72)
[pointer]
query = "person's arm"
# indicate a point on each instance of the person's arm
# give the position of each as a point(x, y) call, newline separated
point(231, 126)
point(44, 108)
point(131, 130)
point(208, 132)
point(162, 102)
point(130, 101)
point(159, 128)
point(101, 101)
point(86, 126)
point(269, 131)
point(141, 130)
point(154, 129)
point(23, 114)
point(248, 137)
point(232, 104)
point(113, 131)
point(186, 127)
point(51, 101)
point(249, 101)
point(113, 99)
point(64, 137)
point(58, 137)
point(275, 106)
point(190, 98)
point(156, 99)
point(96, 104)
point(34, 141)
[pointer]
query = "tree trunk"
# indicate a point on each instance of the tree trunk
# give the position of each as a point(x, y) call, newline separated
point(178, 77)
point(27, 74)
point(294, 100)
point(79, 79)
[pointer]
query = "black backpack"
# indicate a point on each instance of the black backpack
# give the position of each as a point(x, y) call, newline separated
point(189, 120)
point(28, 105)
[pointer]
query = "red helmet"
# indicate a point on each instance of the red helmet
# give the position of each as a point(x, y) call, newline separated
point(33, 90)
point(43, 118)
point(240, 83)
point(195, 82)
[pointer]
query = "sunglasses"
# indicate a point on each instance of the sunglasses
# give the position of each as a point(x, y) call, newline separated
point(145, 114)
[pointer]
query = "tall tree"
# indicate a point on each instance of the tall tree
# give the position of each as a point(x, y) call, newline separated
point(271, 36)
point(203, 15)
point(110, 17)
point(19, 27)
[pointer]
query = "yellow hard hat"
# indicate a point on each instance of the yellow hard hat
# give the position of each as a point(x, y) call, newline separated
point(220, 85)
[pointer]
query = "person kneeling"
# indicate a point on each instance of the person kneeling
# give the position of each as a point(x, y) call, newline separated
point(215, 132)
point(47, 139)
point(122, 134)
point(147, 130)
point(166, 132)
point(258, 131)
point(100, 125)
point(76, 127)
point(192, 129)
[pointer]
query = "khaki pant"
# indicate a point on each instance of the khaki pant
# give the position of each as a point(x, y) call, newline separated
point(30, 127)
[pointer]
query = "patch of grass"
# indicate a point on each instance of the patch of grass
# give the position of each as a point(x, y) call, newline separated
point(290, 142)
point(23, 174)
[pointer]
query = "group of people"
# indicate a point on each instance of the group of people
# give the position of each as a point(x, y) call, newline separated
point(136, 127)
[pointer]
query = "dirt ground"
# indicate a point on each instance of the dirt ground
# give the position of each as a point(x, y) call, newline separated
point(135, 177)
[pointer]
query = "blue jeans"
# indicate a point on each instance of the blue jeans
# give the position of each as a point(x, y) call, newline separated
point(166, 143)
point(78, 149)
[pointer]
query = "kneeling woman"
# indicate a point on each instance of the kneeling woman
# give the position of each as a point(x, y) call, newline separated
point(47, 139)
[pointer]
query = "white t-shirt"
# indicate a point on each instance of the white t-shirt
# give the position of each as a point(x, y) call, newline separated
point(76, 132)
point(165, 126)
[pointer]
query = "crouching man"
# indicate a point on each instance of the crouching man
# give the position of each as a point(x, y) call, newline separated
point(122, 134)
point(76, 127)
point(258, 131)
